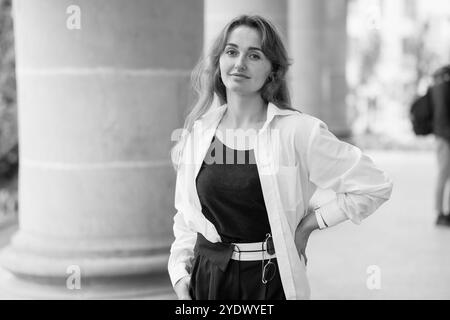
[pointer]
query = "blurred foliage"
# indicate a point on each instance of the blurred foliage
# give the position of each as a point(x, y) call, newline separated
point(425, 58)
point(393, 51)
point(8, 105)
point(370, 56)
point(8, 204)
point(9, 150)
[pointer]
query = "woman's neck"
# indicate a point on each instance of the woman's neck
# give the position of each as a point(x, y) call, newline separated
point(245, 112)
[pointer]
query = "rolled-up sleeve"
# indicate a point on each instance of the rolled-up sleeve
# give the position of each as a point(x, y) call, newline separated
point(360, 186)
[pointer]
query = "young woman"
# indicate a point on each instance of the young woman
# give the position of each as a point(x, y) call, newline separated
point(246, 171)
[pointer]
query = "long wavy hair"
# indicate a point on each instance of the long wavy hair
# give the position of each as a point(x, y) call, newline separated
point(207, 82)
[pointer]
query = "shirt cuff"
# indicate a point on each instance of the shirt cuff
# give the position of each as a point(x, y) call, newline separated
point(331, 213)
point(320, 221)
point(177, 273)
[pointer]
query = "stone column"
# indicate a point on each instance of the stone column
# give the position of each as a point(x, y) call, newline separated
point(97, 106)
point(318, 45)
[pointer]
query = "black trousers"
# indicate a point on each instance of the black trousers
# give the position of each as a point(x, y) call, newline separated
point(215, 276)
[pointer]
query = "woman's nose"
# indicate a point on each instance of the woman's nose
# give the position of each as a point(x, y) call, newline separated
point(240, 64)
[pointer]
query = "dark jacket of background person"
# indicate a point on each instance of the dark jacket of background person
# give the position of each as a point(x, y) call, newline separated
point(440, 96)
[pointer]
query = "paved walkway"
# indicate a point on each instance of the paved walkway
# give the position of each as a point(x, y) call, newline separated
point(411, 254)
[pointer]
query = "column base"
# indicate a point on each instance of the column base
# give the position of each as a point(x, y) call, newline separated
point(35, 269)
point(154, 287)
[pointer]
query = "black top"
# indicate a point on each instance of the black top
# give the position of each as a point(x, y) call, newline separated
point(230, 193)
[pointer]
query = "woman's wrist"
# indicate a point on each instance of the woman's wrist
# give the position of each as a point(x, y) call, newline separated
point(309, 223)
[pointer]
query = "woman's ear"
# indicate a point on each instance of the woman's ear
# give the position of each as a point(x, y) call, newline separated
point(271, 76)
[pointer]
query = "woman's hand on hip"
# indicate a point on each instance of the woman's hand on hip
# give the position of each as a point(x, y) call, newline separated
point(182, 288)
point(304, 229)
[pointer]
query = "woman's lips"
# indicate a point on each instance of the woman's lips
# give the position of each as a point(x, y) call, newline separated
point(240, 75)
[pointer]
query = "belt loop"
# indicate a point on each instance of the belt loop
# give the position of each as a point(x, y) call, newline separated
point(238, 250)
point(270, 246)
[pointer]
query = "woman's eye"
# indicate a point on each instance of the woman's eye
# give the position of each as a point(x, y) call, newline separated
point(254, 57)
point(230, 52)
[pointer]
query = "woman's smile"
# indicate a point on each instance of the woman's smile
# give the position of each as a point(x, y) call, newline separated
point(240, 76)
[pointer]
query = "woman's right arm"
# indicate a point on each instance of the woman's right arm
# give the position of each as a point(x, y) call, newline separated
point(182, 249)
point(181, 254)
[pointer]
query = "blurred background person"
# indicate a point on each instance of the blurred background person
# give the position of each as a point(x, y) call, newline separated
point(440, 98)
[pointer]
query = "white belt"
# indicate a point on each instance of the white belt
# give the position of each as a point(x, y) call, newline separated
point(251, 252)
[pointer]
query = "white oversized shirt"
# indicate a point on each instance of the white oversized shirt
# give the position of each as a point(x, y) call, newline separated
point(295, 154)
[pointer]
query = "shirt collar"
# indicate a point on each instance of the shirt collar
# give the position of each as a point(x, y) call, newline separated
point(214, 114)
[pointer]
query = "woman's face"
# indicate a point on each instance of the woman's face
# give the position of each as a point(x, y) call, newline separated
point(243, 66)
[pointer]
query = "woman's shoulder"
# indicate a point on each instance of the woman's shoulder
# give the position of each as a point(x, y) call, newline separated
point(297, 121)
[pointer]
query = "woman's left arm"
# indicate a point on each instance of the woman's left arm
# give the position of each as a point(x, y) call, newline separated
point(360, 186)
